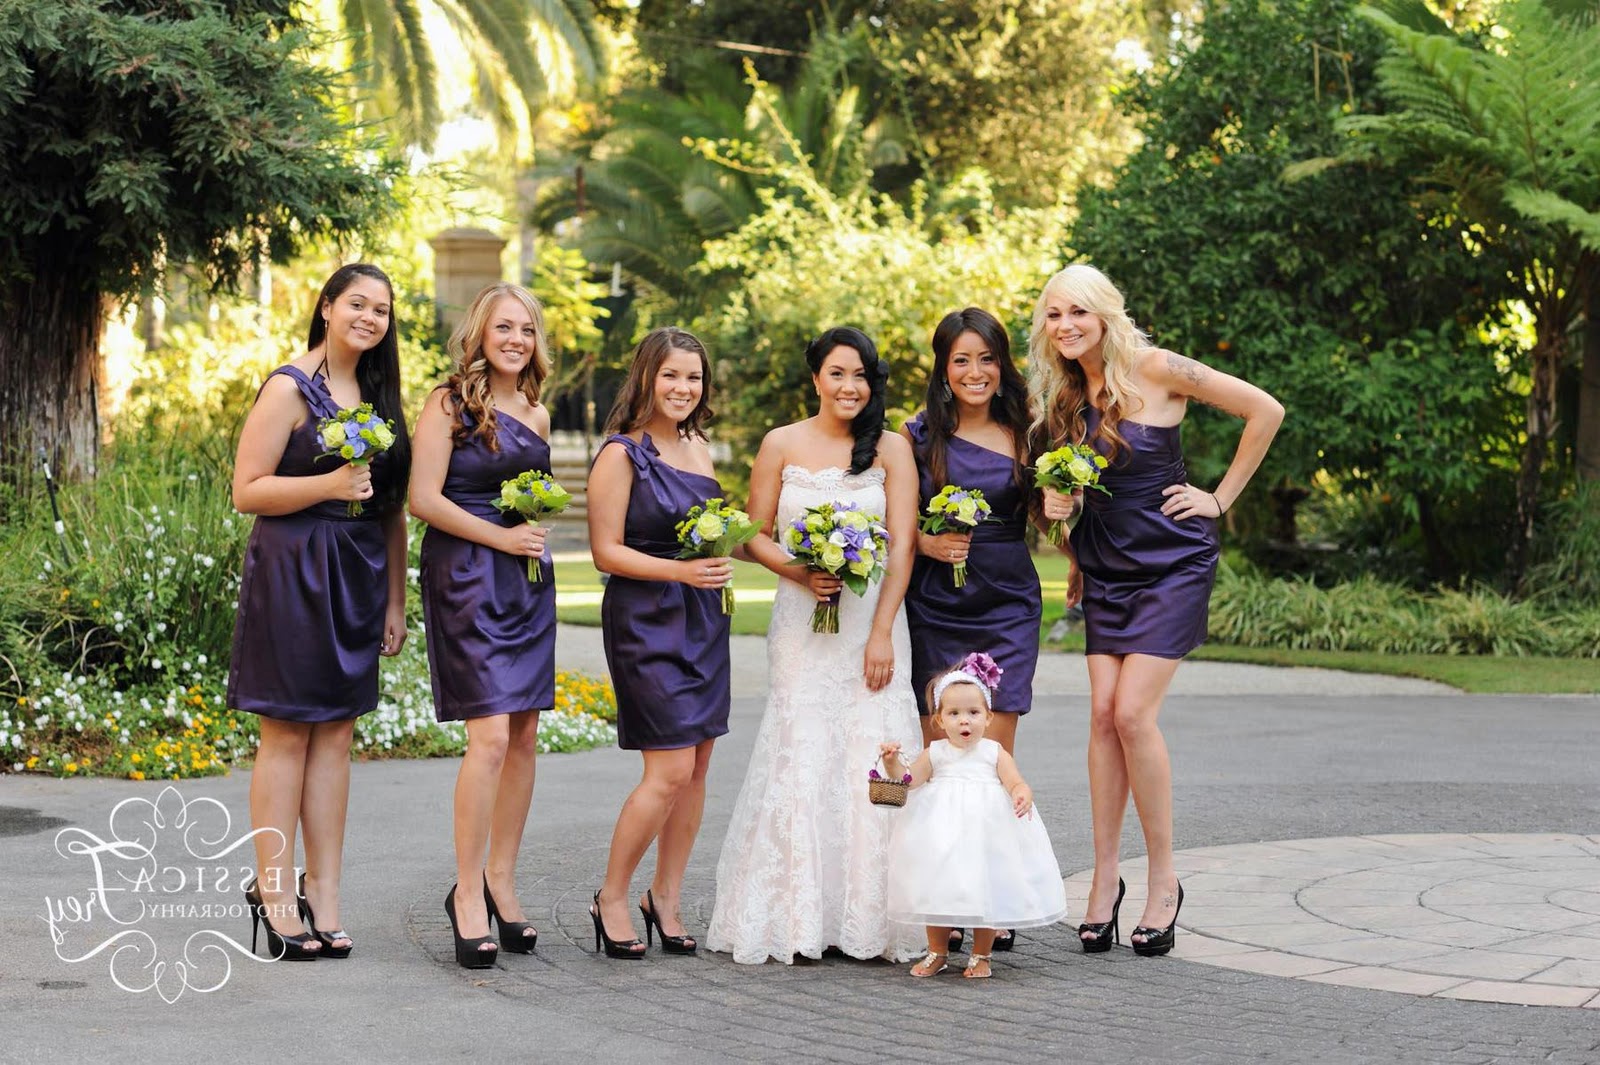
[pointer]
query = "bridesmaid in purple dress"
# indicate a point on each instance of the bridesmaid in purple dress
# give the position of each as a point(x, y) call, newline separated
point(973, 433)
point(321, 597)
point(1147, 555)
point(666, 637)
point(491, 631)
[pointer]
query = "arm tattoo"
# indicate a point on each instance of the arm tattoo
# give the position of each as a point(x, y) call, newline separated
point(1186, 368)
point(1217, 406)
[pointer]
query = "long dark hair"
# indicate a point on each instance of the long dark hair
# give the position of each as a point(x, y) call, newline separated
point(867, 425)
point(637, 397)
point(377, 376)
point(1009, 406)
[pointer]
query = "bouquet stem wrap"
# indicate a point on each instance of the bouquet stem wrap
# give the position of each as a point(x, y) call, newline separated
point(712, 530)
point(955, 508)
point(535, 495)
point(1067, 469)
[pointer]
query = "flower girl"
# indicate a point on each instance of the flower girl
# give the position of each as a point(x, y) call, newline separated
point(968, 850)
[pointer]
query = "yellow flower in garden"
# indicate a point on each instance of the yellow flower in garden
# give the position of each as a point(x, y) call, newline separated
point(71, 767)
point(34, 761)
point(136, 775)
point(22, 700)
point(137, 758)
point(94, 603)
point(64, 593)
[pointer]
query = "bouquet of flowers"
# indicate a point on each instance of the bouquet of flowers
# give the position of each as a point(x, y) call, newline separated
point(1067, 469)
point(712, 530)
point(358, 435)
point(955, 508)
point(838, 538)
point(536, 496)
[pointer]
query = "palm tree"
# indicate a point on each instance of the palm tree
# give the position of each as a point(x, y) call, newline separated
point(1511, 131)
point(503, 38)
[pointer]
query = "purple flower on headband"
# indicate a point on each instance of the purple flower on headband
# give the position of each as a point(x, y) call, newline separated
point(981, 668)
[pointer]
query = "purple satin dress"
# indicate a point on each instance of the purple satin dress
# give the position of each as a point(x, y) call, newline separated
point(666, 643)
point(999, 609)
point(1146, 577)
point(491, 631)
point(313, 593)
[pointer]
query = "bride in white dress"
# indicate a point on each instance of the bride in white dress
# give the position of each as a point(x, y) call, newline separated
point(803, 866)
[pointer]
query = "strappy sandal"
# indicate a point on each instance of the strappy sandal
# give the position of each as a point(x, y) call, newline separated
point(971, 971)
point(920, 969)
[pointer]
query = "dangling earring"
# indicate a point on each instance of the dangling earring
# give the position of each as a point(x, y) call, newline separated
point(999, 390)
point(946, 393)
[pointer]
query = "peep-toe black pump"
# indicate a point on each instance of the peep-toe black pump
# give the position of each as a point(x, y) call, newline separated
point(1105, 932)
point(469, 952)
point(327, 939)
point(519, 937)
point(670, 944)
point(280, 947)
point(633, 948)
point(1158, 941)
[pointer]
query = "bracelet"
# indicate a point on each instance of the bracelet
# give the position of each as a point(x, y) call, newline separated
point(1221, 510)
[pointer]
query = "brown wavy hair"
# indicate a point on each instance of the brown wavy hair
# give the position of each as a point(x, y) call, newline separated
point(636, 399)
point(468, 386)
point(1060, 388)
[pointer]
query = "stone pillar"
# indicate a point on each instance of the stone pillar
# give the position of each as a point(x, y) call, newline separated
point(464, 261)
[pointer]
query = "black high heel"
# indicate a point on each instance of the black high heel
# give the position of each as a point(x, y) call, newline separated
point(1101, 941)
point(279, 946)
point(1004, 941)
point(519, 937)
point(670, 944)
point(958, 936)
point(1158, 941)
point(325, 938)
point(613, 948)
point(469, 952)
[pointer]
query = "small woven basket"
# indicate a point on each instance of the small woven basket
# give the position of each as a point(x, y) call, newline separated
point(885, 792)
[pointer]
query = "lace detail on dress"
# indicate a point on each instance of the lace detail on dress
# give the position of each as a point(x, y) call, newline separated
point(803, 865)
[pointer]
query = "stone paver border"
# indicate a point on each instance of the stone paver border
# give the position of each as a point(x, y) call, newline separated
point(1487, 917)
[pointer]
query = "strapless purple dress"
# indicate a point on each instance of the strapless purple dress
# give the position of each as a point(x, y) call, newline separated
point(666, 643)
point(313, 593)
point(491, 631)
point(998, 610)
point(1146, 577)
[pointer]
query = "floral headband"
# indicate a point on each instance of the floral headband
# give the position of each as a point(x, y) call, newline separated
point(977, 669)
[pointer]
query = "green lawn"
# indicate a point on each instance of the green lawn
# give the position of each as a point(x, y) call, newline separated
point(578, 603)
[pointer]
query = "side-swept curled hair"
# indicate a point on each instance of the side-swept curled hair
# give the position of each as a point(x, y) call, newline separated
point(377, 375)
point(636, 399)
point(867, 426)
point(468, 386)
point(1009, 405)
point(1060, 389)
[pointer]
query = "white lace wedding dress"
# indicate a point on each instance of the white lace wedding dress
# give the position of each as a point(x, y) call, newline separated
point(803, 866)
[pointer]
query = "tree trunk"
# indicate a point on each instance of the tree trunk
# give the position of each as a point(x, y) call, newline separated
point(1549, 348)
point(49, 376)
point(1588, 434)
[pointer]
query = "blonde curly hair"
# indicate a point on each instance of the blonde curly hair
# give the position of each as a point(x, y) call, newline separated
point(468, 386)
point(1059, 386)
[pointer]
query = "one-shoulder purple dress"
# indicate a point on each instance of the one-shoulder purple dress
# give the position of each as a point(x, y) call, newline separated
point(491, 631)
point(666, 643)
point(999, 609)
point(1146, 577)
point(313, 593)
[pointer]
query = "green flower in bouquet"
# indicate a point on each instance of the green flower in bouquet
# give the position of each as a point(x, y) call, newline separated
point(1067, 469)
point(712, 530)
point(955, 508)
point(358, 435)
point(535, 495)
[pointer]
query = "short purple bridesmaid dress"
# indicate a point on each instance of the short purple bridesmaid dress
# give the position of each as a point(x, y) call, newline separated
point(491, 632)
point(666, 643)
point(313, 594)
point(1146, 577)
point(999, 609)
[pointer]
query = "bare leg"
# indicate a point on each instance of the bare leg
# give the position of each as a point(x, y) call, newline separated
point(666, 777)
point(982, 943)
point(511, 803)
point(1108, 787)
point(276, 784)
point(1141, 689)
point(938, 951)
point(324, 803)
point(1003, 730)
point(477, 783)
point(676, 841)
